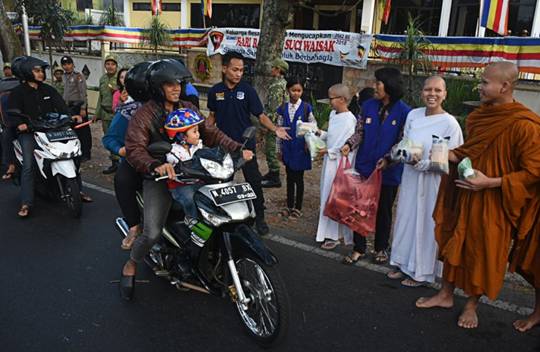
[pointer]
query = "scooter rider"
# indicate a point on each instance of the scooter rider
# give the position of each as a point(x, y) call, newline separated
point(165, 80)
point(32, 99)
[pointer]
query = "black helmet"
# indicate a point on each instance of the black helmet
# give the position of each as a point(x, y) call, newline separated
point(22, 67)
point(165, 71)
point(135, 81)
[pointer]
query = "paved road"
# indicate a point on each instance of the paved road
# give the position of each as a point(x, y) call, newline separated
point(56, 295)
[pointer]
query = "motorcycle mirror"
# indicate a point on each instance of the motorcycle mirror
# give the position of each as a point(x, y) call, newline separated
point(249, 132)
point(159, 149)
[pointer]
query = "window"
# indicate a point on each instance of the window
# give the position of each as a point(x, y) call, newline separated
point(521, 16)
point(464, 18)
point(142, 6)
point(84, 4)
point(227, 15)
point(175, 6)
point(332, 20)
point(118, 4)
point(427, 11)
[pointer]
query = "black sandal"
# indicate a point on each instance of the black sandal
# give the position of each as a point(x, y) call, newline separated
point(348, 260)
point(285, 212)
point(381, 258)
point(126, 286)
point(295, 214)
point(86, 198)
point(24, 211)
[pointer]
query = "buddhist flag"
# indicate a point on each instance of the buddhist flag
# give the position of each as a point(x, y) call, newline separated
point(495, 16)
point(156, 7)
point(206, 6)
point(386, 12)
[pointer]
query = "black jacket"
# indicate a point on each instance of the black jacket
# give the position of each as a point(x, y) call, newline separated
point(34, 103)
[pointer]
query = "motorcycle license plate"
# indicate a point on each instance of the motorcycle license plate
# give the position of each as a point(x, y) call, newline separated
point(56, 136)
point(232, 194)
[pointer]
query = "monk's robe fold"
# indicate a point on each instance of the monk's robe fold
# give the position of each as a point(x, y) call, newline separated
point(525, 257)
point(474, 229)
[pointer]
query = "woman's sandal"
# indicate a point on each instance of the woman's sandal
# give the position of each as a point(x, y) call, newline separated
point(329, 245)
point(24, 211)
point(86, 198)
point(285, 212)
point(349, 259)
point(380, 258)
point(128, 241)
point(408, 282)
point(8, 175)
point(395, 275)
point(296, 214)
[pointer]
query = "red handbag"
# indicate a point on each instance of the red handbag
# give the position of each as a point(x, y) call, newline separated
point(353, 200)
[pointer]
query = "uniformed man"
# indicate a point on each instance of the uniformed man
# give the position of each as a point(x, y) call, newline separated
point(7, 70)
point(57, 81)
point(104, 112)
point(231, 103)
point(277, 95)
point(75, 96)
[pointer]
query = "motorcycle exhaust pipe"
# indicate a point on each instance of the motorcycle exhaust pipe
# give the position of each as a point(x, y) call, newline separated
point(122, 226)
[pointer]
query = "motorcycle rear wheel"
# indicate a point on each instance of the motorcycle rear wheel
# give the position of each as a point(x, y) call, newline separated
point(267, 318)
point(73, 197)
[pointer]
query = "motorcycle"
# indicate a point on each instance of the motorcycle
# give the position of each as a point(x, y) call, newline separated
point(57, 147)
point(225, 257)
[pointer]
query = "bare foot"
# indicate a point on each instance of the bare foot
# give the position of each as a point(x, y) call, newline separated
point(129, 268)
point(441, 300)
point(527, 324)
point(468, 318)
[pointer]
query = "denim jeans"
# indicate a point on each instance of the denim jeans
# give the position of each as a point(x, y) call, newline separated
point(184, 196)
point(8, 155)
point(157, 202)
point(28, 145)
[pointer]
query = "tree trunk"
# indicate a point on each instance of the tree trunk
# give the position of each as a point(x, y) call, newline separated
point(10, 45)
point(278, 15)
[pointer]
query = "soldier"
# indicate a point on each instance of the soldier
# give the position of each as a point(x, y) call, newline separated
point(77, 102)
point(7, 70)
point(57, 82)
point(104, 112)
point(277, 95)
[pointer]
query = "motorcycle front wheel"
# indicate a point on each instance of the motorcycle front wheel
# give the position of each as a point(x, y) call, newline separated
point(72, 198)
point(267, 316)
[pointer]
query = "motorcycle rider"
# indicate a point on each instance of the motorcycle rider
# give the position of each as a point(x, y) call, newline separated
point(165, 80)
point(30, 100)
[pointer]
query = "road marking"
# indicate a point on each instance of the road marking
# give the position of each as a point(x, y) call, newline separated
point(499, 304)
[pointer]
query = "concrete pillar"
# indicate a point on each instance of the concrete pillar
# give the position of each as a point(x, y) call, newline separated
point(535, 30)
point(445, 18)
point(127, 12)
point(368, 16)
point(183, 14)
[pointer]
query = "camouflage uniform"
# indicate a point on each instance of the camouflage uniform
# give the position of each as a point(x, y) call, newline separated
point(104, 112)
point(277, 95)
point(59, 86)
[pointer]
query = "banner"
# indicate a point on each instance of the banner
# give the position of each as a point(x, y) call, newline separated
point(327, 47)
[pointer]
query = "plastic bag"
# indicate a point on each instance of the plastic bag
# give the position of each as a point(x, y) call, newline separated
point(439, 154)
point(353, 200)
point(314, 143)
point(465, 169)
point(407, 151)
point(304, 127)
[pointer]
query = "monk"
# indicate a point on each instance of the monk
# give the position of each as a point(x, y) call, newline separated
point(476, 218)
point(526, 261)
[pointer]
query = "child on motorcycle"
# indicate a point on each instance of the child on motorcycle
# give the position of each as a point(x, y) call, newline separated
point(182, 129)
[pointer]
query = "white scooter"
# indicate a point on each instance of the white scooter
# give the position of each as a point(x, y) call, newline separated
point(57, 148)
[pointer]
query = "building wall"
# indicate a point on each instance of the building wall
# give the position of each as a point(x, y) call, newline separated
point(142, 18)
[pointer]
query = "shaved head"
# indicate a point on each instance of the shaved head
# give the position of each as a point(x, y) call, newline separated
point(503, 71)
point(435, 79)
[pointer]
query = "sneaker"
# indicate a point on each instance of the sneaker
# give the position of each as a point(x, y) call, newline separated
point(271, 180)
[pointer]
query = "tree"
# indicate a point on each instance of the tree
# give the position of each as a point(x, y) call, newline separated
point(157, 35)
point(278, 15)
point(10, 45)
point(111, 18)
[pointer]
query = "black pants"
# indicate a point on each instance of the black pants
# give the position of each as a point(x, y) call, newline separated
point(384, 221)
point(84, 134)
point(126, 184)
point(254, 178)
point(295, 188)
point(8, 154)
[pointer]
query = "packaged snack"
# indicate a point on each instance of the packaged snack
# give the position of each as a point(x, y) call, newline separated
point(465, 169)
point(407, 151)
point(304, 127)
point(439, 154)
point(314, 143)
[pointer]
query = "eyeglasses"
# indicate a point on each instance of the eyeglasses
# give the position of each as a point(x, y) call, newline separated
point(332, 98)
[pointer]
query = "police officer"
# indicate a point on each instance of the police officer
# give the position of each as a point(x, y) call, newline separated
point(76, 99)
point(277, 95)
point(104, 112)
point(231, 103)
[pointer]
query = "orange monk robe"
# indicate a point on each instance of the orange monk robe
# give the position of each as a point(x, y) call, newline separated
point(525, 257)
point(474, 229)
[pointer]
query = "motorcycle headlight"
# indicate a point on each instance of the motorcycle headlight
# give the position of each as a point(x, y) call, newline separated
point(214, 219)
point(222, 171)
